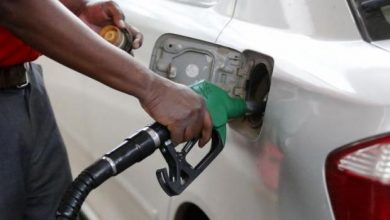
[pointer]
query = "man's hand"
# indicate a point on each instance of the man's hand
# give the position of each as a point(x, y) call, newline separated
point(180, 109)
point(99, 14)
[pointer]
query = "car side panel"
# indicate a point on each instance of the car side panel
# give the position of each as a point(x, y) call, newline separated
point(324, 94)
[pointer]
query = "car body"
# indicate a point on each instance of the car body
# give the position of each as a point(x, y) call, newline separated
point(327, 83)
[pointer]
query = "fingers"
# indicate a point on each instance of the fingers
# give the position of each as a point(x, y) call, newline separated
point(137, 36)
point(113, 11)
point(195, 129)
point(177, 134)
point(180, 109)
point(206, 130)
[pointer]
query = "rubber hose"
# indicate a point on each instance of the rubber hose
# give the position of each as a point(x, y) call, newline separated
point(88, 180)
point(133, 150)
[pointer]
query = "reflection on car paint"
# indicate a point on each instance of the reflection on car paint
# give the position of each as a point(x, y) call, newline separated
point(269, 164)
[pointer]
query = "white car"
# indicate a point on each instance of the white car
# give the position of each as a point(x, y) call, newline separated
point(320, 69)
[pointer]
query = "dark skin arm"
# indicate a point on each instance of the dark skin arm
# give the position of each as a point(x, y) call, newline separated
point(51, 28)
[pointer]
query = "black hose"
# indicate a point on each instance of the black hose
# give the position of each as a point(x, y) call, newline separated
point(88, 180)
point(133, 150)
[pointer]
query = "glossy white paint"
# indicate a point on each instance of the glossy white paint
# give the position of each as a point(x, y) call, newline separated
point(330, 19)
point(335, 67)
point(324, 94)
point(328, 88)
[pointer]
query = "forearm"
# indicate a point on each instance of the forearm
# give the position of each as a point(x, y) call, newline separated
point(59, 34)
point(74, 6)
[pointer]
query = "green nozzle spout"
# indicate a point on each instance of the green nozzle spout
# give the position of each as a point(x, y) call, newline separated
point(220, 105)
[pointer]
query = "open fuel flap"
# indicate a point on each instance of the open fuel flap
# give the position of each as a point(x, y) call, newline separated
point(247, 75)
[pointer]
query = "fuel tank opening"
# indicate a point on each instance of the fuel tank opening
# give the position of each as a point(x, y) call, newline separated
point(257, 89)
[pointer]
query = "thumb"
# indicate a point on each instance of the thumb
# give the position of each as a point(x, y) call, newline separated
point(112, 10)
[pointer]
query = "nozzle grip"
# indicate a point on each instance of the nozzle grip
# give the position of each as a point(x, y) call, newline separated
point(180, 174)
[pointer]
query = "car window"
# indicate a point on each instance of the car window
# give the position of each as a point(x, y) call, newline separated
point(373, 18)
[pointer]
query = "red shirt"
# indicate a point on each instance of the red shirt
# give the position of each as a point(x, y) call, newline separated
point(14, 51)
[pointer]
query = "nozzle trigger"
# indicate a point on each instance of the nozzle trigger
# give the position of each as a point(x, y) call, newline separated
point(180, 173)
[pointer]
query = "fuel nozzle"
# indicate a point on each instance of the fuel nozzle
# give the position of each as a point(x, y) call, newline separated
point(180, 174)
point(220, 105)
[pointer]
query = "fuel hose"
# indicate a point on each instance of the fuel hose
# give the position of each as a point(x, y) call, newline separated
point(132, 150)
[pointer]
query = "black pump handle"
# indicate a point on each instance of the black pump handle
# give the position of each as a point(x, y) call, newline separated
point(180, 173)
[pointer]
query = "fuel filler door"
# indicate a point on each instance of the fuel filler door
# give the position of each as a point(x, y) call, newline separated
point(247, 75)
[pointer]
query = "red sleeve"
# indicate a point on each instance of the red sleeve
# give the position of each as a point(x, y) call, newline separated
point(13, 50)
